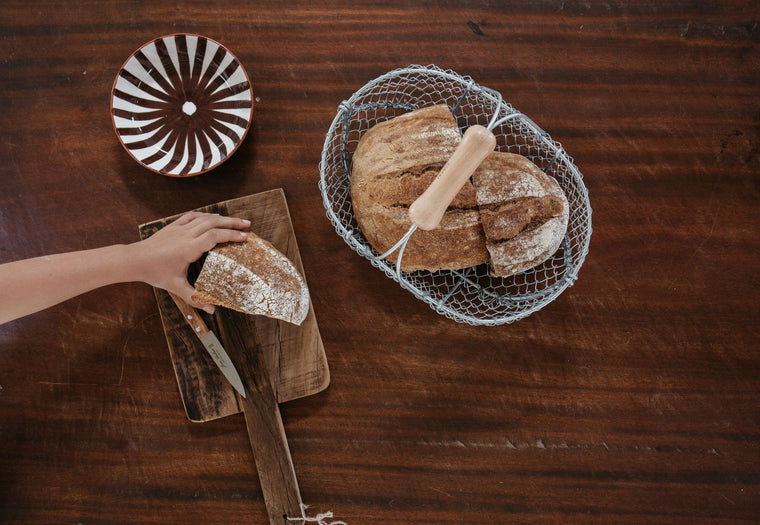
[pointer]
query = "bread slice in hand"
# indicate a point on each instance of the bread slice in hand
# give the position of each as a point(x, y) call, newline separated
point(253, 277)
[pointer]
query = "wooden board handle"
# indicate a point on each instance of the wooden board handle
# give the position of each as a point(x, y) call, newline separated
point(272, 457)
point(427, 211)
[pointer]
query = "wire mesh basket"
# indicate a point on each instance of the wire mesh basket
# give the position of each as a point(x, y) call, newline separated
point(471, 295)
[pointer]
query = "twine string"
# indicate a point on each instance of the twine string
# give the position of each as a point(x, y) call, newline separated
point(319, 519)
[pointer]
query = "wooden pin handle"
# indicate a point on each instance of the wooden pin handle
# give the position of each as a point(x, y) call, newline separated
point(191, 315)
point(427, 211)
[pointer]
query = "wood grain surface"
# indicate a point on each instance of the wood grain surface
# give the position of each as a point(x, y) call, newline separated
point(633, 398)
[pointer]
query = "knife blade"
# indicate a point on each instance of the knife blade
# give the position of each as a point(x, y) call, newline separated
point(210, 342)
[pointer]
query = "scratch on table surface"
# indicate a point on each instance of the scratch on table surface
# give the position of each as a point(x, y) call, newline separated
point(85, 316)
point(128, 339)
point(123, 358)
point(66, 383)
point(522, 445)
point(441, 492)
point(547, 445)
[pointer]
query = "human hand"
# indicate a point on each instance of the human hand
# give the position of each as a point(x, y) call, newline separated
point(163, 258)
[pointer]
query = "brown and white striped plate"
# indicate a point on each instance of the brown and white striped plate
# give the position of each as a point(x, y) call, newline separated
point(181, 105)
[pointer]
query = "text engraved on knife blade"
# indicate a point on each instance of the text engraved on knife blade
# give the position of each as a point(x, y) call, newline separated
point(216, 353)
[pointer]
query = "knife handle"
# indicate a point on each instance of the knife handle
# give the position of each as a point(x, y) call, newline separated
point(191, 315)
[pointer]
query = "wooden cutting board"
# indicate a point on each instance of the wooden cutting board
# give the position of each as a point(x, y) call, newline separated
point(301, 368)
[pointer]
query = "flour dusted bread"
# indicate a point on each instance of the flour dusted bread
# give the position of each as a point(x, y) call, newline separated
point(524, 212)
point(394, 162)
point(253, 277)
point(511, 214)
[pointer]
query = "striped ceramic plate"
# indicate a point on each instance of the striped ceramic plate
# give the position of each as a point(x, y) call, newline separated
point(181, 104)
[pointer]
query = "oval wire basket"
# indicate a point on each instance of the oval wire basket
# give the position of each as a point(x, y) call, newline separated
point(471, 295)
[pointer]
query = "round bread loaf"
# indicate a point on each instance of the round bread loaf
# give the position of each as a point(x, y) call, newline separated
point(510, 214)
point(253, 277)
point(394, 163)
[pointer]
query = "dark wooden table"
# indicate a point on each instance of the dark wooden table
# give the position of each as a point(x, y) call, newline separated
point(632, 398)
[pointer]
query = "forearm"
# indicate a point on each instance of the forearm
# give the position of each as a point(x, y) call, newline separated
point(32, 285)
point(161, 260)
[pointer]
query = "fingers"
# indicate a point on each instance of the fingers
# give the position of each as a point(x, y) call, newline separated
point(186, 291)
point(206, 230)
point(210, 230)
point(213, 237)
point(202, 223)
point(208, 308)
point(185, 240)
point(188, 217)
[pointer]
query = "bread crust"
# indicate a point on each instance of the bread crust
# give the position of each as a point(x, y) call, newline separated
point(253, 277)
point(524, 212)
point(510, 214)
point(394, 163)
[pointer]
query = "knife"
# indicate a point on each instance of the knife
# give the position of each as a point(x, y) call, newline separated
point(210, 343)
